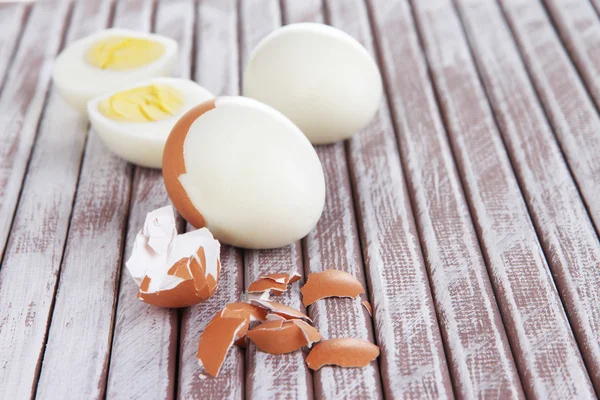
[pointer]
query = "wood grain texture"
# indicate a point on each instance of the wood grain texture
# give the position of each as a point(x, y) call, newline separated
point(571, 112)
point(13, 18)
point(80, 335)
point(144, 351)
point(413, 364)
point(545, 350)
point(566, 99)
point(559, 215)
point(272, 376)
point(479, 354)
point(22, 100)
point(216, 61)
point(334, 244)
point(33, 255)
point(577, 23)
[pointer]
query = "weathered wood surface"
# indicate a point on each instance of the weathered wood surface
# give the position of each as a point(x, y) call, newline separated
point(478, 352)
point(334, 243)
point(216, 62)
point(33, 255)
point(80, 335)
point(560, 217)
point(496, 132)
point(144, 348)
point(560, 87)
point(541, 339)
point(573, 116)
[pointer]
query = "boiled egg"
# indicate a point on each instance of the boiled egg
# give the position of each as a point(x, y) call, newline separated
point(245, 171)
point(319, 77)
point(134, 122)
point(109, 60)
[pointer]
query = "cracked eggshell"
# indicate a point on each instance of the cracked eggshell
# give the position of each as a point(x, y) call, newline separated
point(330, 283)
point(78, 81)
point(281, 337)
point(343, 352)
point(321, 78)
point(143, 143)
point(245, 171)
point(173, 270)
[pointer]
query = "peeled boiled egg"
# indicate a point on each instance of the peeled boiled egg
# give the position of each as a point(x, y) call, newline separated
point(245, 171)
point(319, 77)
point(135, 121)
point(109, 60)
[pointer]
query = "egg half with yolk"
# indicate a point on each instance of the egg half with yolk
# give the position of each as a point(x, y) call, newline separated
point(109, 60)
point(245, 171)
point(135, 121)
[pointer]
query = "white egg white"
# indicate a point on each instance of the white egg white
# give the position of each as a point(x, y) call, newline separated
point(78, 81)
point(142, 143)
point(252, 174)
point(321, 78)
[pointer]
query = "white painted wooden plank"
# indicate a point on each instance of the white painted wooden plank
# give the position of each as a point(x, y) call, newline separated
point(476, 345)
point(31, 265)
point(334, 243)
point(542, 342)
point(573, 116)
point(571, 113)
point(22, 100)
point(413, 364)
point(217, 70)
point(145, 339)
point(578, 24)
point(271, 376)
point(80, 335)
point(13, 19)
point(559, 215)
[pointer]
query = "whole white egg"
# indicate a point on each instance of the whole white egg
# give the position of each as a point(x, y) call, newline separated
point(109, 60)
point(245, 171)
point(129, 124)
point(319, 77)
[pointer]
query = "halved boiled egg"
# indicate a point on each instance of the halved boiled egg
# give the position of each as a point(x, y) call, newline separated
point(245, 171)
point(109, 60)
point(136, 121)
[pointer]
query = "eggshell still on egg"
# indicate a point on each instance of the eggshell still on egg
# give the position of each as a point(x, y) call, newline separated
point(245, 171)
point(321, 78)
point(78, 80)
point(142, 142)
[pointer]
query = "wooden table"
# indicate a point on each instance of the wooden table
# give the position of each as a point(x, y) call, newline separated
point(469, 207)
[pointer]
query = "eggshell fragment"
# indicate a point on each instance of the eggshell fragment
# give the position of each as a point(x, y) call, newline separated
point(330, 283)
point(245, 171)
point(368, 307)
point(319, 77)
point(281, 310)
point(246, 311)
point(173, 270)
point(281, 337)
point(344, 352)
point(275, 283)
point(215, 341)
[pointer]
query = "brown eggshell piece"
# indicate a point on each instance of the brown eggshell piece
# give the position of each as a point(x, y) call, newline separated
point(265, 284)
point(215, 341)
point(344, 352)
point(281, 310)
point(367, 305)
point(311, 334)
point(173, 164)
point(330, 283)
point(281, 337)
point(246, 311)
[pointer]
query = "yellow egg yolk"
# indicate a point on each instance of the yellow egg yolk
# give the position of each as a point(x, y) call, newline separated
point(143, 104)
point(121, 53)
